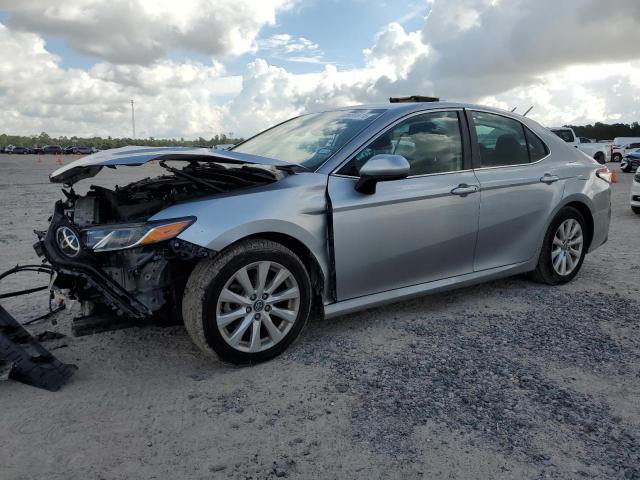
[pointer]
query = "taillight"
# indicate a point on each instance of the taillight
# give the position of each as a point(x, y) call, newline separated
point(605, 174)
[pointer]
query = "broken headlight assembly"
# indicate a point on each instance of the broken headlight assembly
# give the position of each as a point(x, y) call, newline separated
point(106, 238)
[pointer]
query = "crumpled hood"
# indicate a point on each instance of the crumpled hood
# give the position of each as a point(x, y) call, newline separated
point(90, 165)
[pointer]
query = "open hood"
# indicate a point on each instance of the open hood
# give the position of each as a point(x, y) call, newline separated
point(90, 165)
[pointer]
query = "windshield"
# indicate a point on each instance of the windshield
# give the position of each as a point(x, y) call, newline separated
point(565, 135)
point(311, 139)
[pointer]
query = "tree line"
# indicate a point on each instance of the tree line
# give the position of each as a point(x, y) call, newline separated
point(603, 131)
point(599, 131)
point(109, 142)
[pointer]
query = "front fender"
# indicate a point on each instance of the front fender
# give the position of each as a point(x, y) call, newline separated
point(295, 206)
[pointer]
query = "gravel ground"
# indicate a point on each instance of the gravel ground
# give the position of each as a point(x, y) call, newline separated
point(506, 380)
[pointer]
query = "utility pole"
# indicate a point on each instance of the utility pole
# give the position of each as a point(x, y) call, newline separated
point(133, 120)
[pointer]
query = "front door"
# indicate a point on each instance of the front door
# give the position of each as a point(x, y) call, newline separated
point(410, 231)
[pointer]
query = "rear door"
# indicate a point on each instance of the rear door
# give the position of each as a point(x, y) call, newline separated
point(414, 230)
point(519, 189)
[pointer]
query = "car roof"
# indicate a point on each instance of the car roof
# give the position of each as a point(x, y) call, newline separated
point(419, 106)
point(397, 110)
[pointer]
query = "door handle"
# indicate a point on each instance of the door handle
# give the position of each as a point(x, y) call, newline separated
point(549, 179)
point(463, 190)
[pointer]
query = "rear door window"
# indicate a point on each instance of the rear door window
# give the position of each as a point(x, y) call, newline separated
point(501, 140)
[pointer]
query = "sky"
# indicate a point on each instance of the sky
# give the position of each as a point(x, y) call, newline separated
point(197, 68)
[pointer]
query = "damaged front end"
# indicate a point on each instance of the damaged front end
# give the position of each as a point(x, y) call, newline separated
point(109, 256)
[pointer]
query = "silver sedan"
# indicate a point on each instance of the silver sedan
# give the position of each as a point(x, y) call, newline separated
point(330, 213)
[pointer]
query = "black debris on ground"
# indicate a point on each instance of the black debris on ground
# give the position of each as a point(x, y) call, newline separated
point(49, 335)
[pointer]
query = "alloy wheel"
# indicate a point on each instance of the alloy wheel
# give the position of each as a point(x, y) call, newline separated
point(258, 306)
point(567, 247)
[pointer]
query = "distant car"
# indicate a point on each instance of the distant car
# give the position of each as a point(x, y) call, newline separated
point(635, 194)
point(52, 149)
point(84, 150)
point(598, 151)
point(631, 162)
point(622, 146)
point(69, 150)
point(36, 150)
point(20, 151)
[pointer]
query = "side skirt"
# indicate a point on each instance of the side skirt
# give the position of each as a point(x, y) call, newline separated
point(406, 293)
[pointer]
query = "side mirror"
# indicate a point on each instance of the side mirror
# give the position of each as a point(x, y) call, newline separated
point(381, 168)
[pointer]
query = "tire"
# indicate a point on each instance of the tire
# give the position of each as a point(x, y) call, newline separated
point(545, 271)
point(636, 210)
point(600, 158)
point(202, 302)
point(627, 168)
point(616, 157)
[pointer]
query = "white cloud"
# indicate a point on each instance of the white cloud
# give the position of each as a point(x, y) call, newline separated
point(293, 49)
point(395, 51)
point(172, 99)
point(142, 31)
point(577, 61)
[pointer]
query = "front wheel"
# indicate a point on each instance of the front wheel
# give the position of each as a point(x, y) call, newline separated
point(616, 157)
point(248, 304)
point(563, 249)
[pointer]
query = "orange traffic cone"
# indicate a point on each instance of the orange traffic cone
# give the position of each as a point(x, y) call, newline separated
point(60, 162)
point(614, 175)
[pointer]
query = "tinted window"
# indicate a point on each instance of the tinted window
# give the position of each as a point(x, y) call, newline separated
point(311, 139)
point(634, 145)
point(431, 142)
point(537, 149)
point(501, 140)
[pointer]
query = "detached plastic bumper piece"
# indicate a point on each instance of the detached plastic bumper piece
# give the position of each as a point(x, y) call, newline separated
point(30, 362)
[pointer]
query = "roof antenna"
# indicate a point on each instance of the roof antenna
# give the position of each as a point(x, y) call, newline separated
point(525, 113)
point(514, 109)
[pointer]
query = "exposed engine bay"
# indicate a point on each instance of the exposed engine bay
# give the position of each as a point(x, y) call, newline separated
point(109, 256)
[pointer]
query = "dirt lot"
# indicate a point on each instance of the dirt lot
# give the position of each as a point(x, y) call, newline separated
point(504, 380)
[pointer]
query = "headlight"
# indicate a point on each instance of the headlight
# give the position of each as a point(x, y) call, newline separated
point(117, 237)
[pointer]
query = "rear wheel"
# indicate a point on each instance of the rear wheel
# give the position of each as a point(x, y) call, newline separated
point(616, 157)
point(600, 158)
point(636, 210)
point(563, 249)
point(248, 304)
